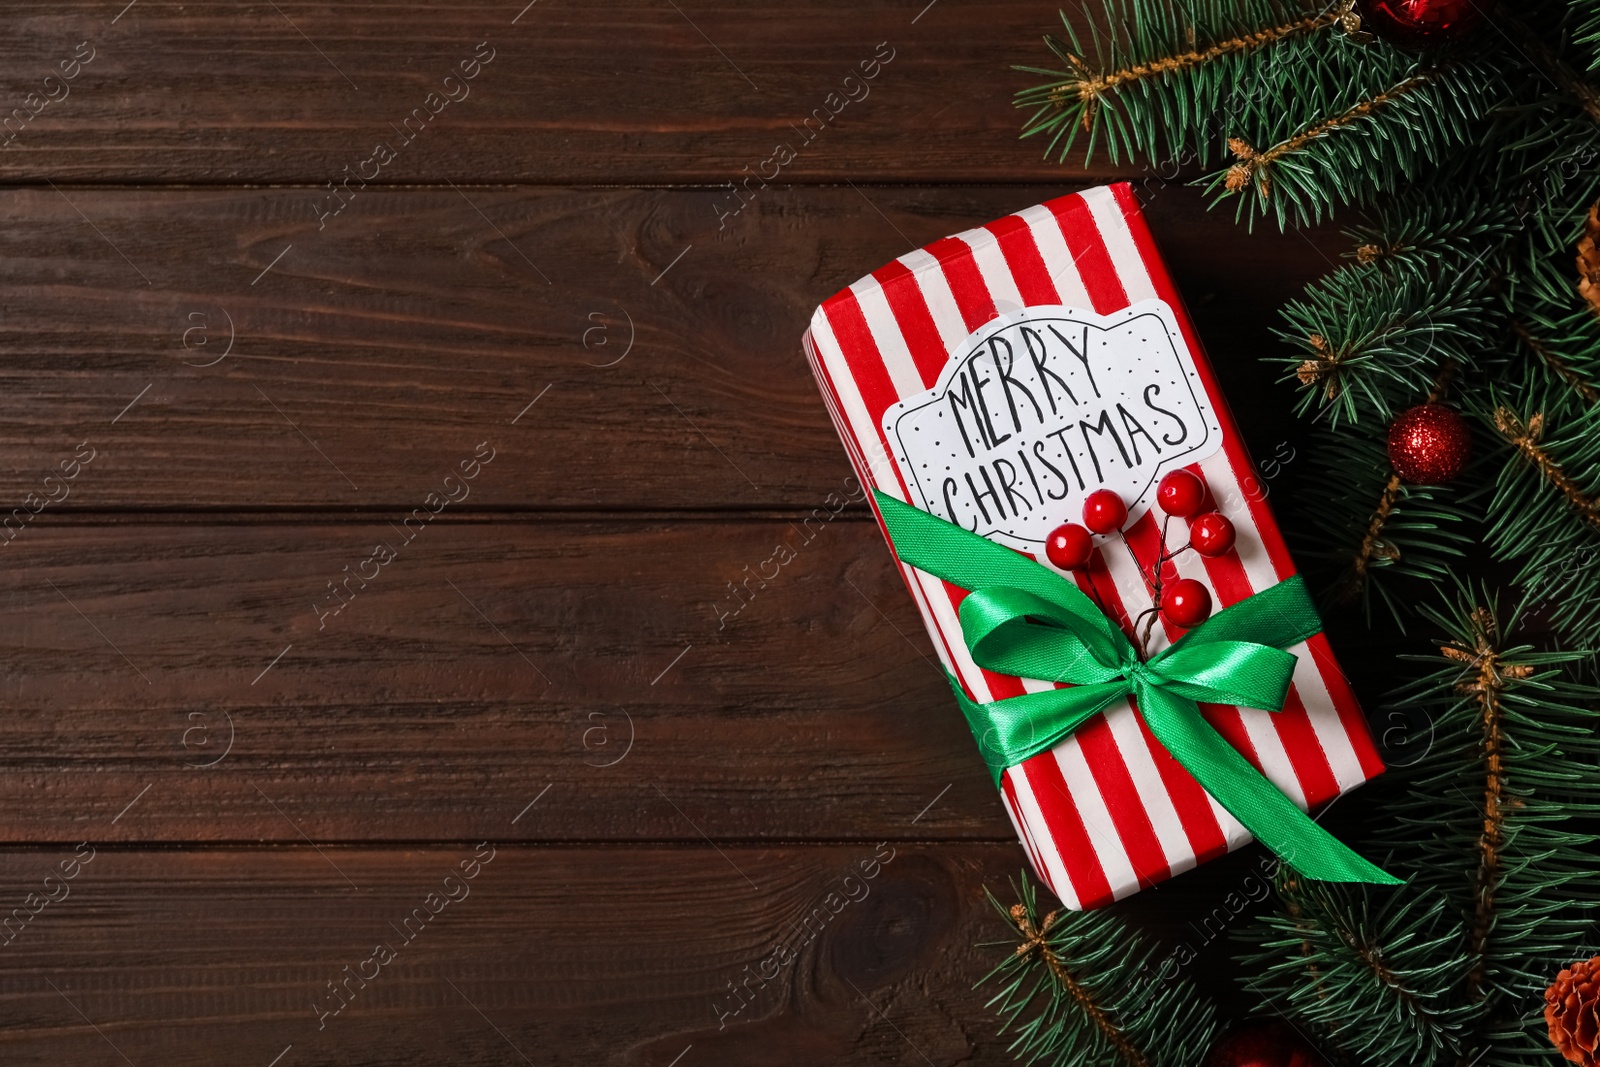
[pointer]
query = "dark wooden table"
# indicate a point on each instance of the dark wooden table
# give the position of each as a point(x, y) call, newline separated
point(374, 513)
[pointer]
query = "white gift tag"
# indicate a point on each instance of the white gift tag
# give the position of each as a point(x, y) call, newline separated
point(1042, 406)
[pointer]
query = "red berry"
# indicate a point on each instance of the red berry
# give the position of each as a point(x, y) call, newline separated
point(1181, 493)
point(1104, 512)
point(1211, 534)
point(1068, 546)
point(1186, 602)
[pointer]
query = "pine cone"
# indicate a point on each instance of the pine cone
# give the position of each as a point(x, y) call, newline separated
point(1589, 259)
point(1572, 1009)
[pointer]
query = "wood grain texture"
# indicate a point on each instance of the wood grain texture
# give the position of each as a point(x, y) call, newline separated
point(574, 92)
point(254, 379)
point(549, 955)
point(560, 956)
point(371, 356)
point(487, 662)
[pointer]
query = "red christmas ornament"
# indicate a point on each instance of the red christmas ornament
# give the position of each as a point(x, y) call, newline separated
point(1211, 534)
point(1068, 546)
point(1420, 23)
point(1186, 602)
point(1429, 444)
point(1263, 1043)
point(1181, 493)
point(1104, 512)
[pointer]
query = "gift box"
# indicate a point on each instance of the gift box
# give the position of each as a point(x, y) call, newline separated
point(996, 378)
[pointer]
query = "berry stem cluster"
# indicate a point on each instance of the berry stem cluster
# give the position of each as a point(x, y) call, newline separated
point(1154, 580)
point(1185, 602)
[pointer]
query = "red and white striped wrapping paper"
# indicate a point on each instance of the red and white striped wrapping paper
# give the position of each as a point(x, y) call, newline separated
point(1108, 811)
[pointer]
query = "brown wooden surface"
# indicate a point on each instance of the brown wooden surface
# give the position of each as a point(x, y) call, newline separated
point(417, 330)
point(598, 92)
point(410, 717)
point(621, 956)
point(552, 665)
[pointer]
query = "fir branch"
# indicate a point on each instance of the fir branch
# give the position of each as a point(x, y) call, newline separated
point(1449, 968)
point(1546, 508)
point(1254, 168)
point(1488, 677)
point(1365, 536)
point(1525, 435)
point(1033, 941)
point(1555, 363)
point(1185, 60)
point(1353, 120)
point(1552, 320)
point(1550, 64)
point(1372, 542)
point(1373, 340)
point(1154, 76)
point(1548, 152)
point(1088, 86)
point(1371, 971)
point(1080, 989)
point(1430, 226)
point(1485, 815)
point(1588, 12)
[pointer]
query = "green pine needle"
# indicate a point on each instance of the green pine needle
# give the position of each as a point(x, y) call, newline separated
point(1469, 173)
point(1354, 122)
point(1366, 537)
point(1545, 515)
point(1082, 990)
point(1372, 342)
point(1484, 822)
point(1368, 971)
point(1152, 75)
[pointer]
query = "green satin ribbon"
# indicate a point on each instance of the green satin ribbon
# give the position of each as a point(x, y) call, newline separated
point(1023, 619)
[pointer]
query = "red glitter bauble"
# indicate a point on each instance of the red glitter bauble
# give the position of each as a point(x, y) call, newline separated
point(1104, 512)
point(1068, 546)
point(1429, 444)
point(1263, 1043)
point(1419, 23)
point(1211, 534)
point(1181, 493)
point(1186, 602)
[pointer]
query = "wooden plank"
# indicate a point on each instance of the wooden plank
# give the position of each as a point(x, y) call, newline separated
point(548, 955)
point(369, 358)
point(555, 664)
point(590, 92)
point(181, 669)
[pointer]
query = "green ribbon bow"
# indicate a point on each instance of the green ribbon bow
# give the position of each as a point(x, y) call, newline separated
point(1023, 619)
